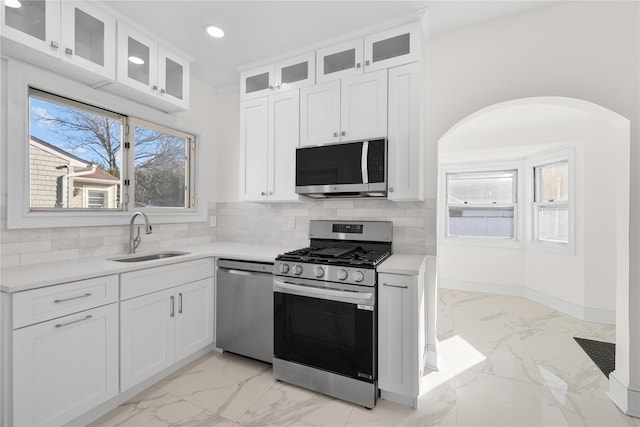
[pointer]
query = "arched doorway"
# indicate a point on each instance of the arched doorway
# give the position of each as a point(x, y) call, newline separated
point(584, 280)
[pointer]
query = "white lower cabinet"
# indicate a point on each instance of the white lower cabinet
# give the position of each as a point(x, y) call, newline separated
point(161, 328)
point(65, 367)
point(401, 336)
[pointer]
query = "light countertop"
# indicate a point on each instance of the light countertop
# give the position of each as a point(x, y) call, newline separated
point(16, 279)
point(406, 264)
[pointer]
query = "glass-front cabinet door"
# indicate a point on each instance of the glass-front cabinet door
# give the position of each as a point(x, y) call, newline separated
point(173, 75)
point(296, 72)
point(34, 23)
point(390, 48)
point(336, 62)
point(257, 82)
point(137, 60)
point(89, 38)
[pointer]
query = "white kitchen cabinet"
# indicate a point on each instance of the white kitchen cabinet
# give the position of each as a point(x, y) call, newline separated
point(405, 152)
point(194, 317)
point(77, 32)
point(289, 74)
point(339, 61)
point(401, 336)
point(390, 48)
point(350, 109)
point(160, 75)
point(64, 367)
point(269, 135)
point(161, 328)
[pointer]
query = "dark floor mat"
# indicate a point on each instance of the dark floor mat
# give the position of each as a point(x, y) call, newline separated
point(602, 353)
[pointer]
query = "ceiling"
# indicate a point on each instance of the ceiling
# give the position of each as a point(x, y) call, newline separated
point(259, 30)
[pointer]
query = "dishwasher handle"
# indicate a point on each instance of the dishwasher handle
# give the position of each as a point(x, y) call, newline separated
point(240, 266)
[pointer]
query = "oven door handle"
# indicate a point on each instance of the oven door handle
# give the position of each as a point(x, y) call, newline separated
point(327, 294)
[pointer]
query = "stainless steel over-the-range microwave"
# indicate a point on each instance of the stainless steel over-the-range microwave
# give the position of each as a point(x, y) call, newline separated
point(346, 169)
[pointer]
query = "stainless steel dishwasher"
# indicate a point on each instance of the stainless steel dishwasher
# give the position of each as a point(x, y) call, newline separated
point(244, 308)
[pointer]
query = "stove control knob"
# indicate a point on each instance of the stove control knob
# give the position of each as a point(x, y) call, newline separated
point(319, 272)
point(284, 268)
point(297, 270)
point(342, 274)
point(358, 276)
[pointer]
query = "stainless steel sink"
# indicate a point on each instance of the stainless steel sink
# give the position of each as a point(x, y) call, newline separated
point(148, 257)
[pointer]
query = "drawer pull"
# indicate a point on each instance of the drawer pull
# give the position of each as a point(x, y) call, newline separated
point(396, 286)
point(61, 325)
point(58, 301)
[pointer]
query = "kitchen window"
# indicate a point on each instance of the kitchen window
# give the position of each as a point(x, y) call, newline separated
point(482, 204)
point(551, 210)
point(86, 158)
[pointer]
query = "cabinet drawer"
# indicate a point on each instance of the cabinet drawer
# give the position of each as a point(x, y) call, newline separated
point(143, 282)
point(47, 303)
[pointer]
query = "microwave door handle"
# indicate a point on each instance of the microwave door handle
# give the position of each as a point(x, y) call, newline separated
point(311, 291)
point(364, 161)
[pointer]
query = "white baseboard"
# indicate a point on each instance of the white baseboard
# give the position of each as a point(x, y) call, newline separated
point(409, 401)
point(579, 312)
point(627, 400)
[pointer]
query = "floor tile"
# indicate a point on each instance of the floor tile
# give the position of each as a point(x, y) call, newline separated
point(503, 361)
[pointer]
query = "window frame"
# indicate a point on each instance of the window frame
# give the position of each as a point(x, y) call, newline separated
point(19, 78)
point(443, 215)
point(565, 155)
point(483, 206)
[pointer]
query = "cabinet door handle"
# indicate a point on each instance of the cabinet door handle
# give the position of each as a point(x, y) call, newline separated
point(68, 51)
point(172, 312)
point(262, 193)
point(154, 87)
point(390, 189)
point(358, 65)
point(162, 91)
point(180, 303)
point(62, 325)
point(396, 286)
point(335, 134)
point(58, 301)
point(54, 44)
point(367, 62)
point(343, 133)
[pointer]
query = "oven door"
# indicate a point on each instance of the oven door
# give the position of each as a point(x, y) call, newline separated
point(326, 326)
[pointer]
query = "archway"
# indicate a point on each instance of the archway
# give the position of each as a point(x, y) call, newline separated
point(583, 281)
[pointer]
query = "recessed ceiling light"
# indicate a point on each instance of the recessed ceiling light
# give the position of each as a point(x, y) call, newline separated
point(13, 3)
point(214, 31)
point(136, 60)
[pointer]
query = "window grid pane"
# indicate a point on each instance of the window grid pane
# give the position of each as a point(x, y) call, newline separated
point(482, 204)
point(161, 164)
point(551, 207)
point(72, 146)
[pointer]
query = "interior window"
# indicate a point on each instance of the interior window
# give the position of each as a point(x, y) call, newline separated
point(482, 204)
point(551, 202)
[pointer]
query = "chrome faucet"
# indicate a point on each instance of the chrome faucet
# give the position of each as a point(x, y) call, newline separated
point(135, 241)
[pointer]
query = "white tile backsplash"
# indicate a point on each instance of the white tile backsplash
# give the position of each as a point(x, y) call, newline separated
point(260, 223)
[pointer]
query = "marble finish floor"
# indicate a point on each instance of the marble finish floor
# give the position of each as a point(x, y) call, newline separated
point(503, 361)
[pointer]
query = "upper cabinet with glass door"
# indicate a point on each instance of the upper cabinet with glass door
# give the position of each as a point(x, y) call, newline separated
point(158, 73)
point(397, 46)
point(292, 73)
point(74, 31)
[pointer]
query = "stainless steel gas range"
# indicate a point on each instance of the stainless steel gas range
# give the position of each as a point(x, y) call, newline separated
point(325, 309)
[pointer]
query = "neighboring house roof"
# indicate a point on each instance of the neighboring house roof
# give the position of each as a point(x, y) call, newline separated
point(99, 173)
point(80, 165)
